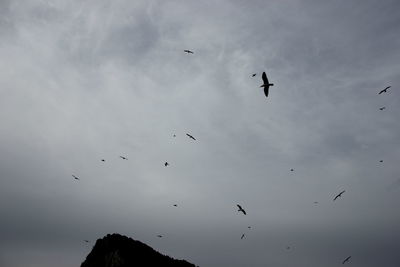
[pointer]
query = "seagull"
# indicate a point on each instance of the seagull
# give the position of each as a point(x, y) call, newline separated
point(188, 51)
point(190, 136)
point(159, 236)
point(166, 164)
point(242, 236)
point(254, 74)
point(76, 178)
point(346, 260)
point(241, 209)
point(339, 195)
point(125, 158)
point(382, 108)
point(266, 84)
point(384, 90)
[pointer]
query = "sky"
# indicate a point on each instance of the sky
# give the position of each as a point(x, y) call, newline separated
point(82, 81)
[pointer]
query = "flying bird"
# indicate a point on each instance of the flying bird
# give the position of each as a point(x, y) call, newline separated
point(339, 195)
point(159, 236)
point(103, 160)
point(188, 51)
point(291, 170)
point(241, 209)
point(76, 178)
point(174, 135)
point(249, 227)
point(242, 236)
point(382, 108)
point(166, 164)
point(175, 205)
point(346, 260)
point(87, 241)
point(384, 90)
point(190, 136)
point(381, 161)
point(266, 84)
point(315, 202)
point(254, 74)
point(125, 158)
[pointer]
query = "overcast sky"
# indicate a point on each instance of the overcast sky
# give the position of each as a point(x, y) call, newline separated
point(82, 81)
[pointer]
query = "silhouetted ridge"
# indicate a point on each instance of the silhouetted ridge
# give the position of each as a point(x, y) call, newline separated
point(120, 251)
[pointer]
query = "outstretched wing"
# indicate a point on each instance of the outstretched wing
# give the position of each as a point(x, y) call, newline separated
point(265, 79)
point(266, 90)
point(240, 208)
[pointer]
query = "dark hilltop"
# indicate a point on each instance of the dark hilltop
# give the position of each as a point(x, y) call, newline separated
point(116, 250)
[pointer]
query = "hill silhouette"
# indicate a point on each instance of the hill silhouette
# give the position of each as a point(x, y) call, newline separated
point(115, 250)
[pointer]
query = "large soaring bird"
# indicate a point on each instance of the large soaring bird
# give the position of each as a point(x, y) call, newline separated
point(241, 209)
point(122, 157)
point(346, 260)
point(188, 51)
point(266, 84)
point(339, 195)
point(384, 90)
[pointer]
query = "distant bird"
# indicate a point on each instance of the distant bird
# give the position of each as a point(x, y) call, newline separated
point(339, 195)
point(76, 178)
point(125, 158)
point(249, 227)
point(188, 51)
point(384, 90)
point(166, 164)
point(346, 260)
point(287, 247)
point(266, 84)
point(382, 108)
point(315, 202)
point(87, 241)
point(242, 236)
point(103, 160)
point(241, 209)
point(291, 170)
point(174, 135)
point(381, 161)
point(190, 136)
point(254, 75)
point(175, 205)
point(159, 236)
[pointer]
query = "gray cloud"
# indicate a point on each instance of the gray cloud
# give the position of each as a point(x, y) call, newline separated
point(86, 80)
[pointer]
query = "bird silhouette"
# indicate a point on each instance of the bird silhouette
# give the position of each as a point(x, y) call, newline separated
point(75, 177)
point(166, 164)
point(249, 227)
point(87, 241)
point(266, 84)
point(291, 170)
point(241, 209)
point(254, 75)
point(384, 90)
point(174, 135)
point(346, 260)
point(103, 160)
point(315, 202)
point(188, 51)
point(381, 161)
point(159, 236)
point(175, 205)
point(339, 195)
point(382, 108)
point(125, 158)
point(242, 236)
point(190, 136)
